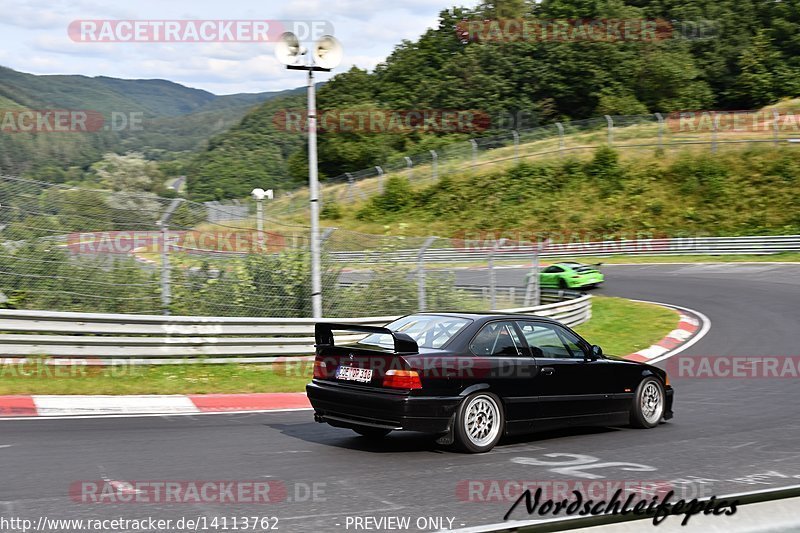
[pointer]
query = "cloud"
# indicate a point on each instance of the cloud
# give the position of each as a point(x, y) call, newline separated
point(35, 39)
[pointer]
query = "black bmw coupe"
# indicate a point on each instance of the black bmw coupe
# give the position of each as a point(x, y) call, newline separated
point(471, 378)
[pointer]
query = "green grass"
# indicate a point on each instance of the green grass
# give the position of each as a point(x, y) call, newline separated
point(621, 326)
point(618, 325)
point(37, 378)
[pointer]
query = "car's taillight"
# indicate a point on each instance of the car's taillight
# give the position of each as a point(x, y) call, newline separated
point(402, 379)
point(320, 369)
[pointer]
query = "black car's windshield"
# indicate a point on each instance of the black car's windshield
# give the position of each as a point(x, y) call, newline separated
point(430, 331)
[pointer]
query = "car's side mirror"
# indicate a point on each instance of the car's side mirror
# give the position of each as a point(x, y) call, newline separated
point(597, 352)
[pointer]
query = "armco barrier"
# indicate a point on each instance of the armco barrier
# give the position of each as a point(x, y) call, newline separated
point(480, 251)
point(64, 337)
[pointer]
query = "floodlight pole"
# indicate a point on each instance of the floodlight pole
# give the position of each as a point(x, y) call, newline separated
point(313, 191)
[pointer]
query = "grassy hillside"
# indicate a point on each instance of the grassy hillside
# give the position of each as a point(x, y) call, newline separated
point(749, 190)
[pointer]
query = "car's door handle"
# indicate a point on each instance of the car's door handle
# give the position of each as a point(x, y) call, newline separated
point(548, 371)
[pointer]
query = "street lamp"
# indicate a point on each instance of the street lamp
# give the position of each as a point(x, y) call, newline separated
point(259, 195)
point(327, 55)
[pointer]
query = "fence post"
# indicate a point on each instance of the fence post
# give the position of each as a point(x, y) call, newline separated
point(610, 123)
point(492, 279)
point(166, 292)
point(474, 144)
point(380, 179)
point(516, 144)
point(777, 118)
point(532, 291)
point(660, 119)
point(421, 296)
point(435, 164)
point(714, 133)
point(350, 185)
point(410, 167)
point(560, 136)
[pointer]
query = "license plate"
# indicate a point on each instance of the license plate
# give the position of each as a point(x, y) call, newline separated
point(349, 373)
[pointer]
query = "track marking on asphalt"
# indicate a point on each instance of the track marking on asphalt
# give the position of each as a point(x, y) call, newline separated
point(152, 415)
point(579, 463)
point(6, 445)
point(705, 327)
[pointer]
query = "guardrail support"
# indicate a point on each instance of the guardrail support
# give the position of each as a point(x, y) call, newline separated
point(410, 167)
point(421, 295)
point(474, 144)
point(560, 128)
point(777, 118)
point(435, 164)
point(166, 292)
point(660, 119)
point(350, 185)
point(515, 133)
point(714, 124)
point(380, 179)
point(492, 278)
point(610, 123)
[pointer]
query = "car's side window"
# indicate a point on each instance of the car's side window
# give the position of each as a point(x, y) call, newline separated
point(572, 342)
point(553, 270)
point(545, 341)
point(497, 338)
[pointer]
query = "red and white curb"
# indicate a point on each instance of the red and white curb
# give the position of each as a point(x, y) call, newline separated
point(143, 405)
point(692, 326)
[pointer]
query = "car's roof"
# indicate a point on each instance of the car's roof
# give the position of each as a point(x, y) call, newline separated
point(472, 315)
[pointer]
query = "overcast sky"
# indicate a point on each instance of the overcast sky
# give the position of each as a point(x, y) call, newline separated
point(34, 38)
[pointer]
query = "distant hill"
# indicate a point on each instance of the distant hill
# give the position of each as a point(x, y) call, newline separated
point(175, 117)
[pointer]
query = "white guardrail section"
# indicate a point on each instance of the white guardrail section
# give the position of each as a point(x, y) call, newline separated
point(480, 251)
point(86, 338)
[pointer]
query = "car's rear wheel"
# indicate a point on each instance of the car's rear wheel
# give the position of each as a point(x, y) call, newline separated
point(372, 433)
point(648, 404)
point(479, 423)
point(562, 284)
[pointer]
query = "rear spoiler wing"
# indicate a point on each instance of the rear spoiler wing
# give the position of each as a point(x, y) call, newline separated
point(403, 344)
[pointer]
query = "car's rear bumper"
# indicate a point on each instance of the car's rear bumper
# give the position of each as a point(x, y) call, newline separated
point(347, 407)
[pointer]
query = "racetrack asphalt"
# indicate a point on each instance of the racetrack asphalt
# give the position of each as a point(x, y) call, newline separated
point(728, 435)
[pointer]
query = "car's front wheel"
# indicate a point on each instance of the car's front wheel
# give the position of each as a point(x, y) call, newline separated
point(372, 433)
point(479, 423)
point(648, 404)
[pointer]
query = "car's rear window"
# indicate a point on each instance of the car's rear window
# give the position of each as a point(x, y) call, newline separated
point(430, 331)
point(583, 269)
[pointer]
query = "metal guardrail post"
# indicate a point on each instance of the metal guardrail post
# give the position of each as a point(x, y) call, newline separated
point(421, 295)
point(350, 185)
point(560, 128)
point(532, 290)
point(410, 167)
point(474, 144)
point(435, 164)
point(166, 289)
point(380, 179)
point(714, 124)
point(660, 119)
point(777, 117)
point(515, 133)
point(492, 278)
point(610, 125)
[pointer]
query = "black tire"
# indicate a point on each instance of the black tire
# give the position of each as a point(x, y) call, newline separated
point(648, 405)
point(371, 432)
point(471, 432)
point(562, 283)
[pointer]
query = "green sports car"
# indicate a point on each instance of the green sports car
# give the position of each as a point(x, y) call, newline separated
point(570, 275)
